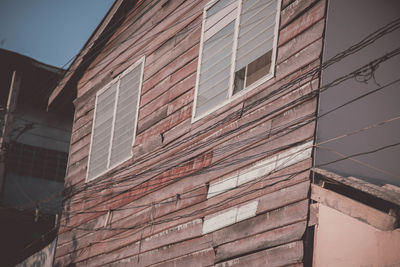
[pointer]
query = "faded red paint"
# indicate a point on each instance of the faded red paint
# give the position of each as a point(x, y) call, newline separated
point(165, 130)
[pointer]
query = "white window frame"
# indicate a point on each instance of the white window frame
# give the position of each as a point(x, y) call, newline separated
point(260, 81)
point(117, 80)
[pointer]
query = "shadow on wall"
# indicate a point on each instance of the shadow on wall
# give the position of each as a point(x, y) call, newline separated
point(43, 258)
point(66, 215)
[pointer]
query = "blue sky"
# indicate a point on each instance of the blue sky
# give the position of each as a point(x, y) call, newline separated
point(50, 31)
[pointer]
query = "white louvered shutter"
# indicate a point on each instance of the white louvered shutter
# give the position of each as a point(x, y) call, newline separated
point(100, 145)
point(256, 30)
point(115, 121)
point(125, 116)
point(216, 57)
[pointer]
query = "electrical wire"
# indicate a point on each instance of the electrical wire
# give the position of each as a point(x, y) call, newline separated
point(335, 83)
point(361, 162)
point(311, 73)
point(137, 34)
point(368, 40)
point(271, 152)
point(140, 226)
point(317, 70)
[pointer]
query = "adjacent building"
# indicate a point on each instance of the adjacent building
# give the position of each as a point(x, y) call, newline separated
point(33, 156)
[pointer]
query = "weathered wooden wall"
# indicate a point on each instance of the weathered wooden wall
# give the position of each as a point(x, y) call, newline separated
point(159, 208)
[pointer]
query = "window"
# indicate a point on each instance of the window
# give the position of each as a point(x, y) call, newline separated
point(237, 51)
point(115, 118)
point(33, 161)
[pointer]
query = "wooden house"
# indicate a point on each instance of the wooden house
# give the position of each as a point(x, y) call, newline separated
point(193, 135)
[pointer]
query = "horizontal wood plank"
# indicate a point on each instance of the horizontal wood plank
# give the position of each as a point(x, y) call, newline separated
point(355, 209)
point(287, 254)
point(261, 241)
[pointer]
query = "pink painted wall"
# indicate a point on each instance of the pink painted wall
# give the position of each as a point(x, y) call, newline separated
point(341, 240)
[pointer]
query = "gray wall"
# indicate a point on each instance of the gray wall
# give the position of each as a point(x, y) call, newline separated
point(25, 190)
point(49, 131)
point(43, 258)
point(349, 22)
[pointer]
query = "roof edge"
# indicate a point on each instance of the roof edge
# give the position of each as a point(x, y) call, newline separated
point(84, 51)
point(389, 193)
point(32, 61)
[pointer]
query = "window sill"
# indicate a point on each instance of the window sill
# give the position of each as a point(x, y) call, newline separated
point(242, 94)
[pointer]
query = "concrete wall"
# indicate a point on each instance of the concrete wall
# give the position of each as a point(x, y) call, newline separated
point(48, 131)
point(25, 190)
point(348, 22)
point(341, 240)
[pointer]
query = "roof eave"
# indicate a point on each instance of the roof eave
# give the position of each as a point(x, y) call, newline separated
point(62, 84)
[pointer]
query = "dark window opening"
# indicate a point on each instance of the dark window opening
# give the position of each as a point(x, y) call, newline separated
point(252, 72)
point(36, 162)
point(239, 80)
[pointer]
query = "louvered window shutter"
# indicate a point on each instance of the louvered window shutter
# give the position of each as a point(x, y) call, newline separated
point(256, 31)
point(125, 116)
point(100, 145)
point(216, 57)
point(115, 120)
point(238, 50)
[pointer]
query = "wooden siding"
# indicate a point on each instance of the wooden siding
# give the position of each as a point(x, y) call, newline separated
point(151, 209)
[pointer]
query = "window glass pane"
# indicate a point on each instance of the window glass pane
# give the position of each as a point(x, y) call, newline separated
point(239, 80)
point(258, 68)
